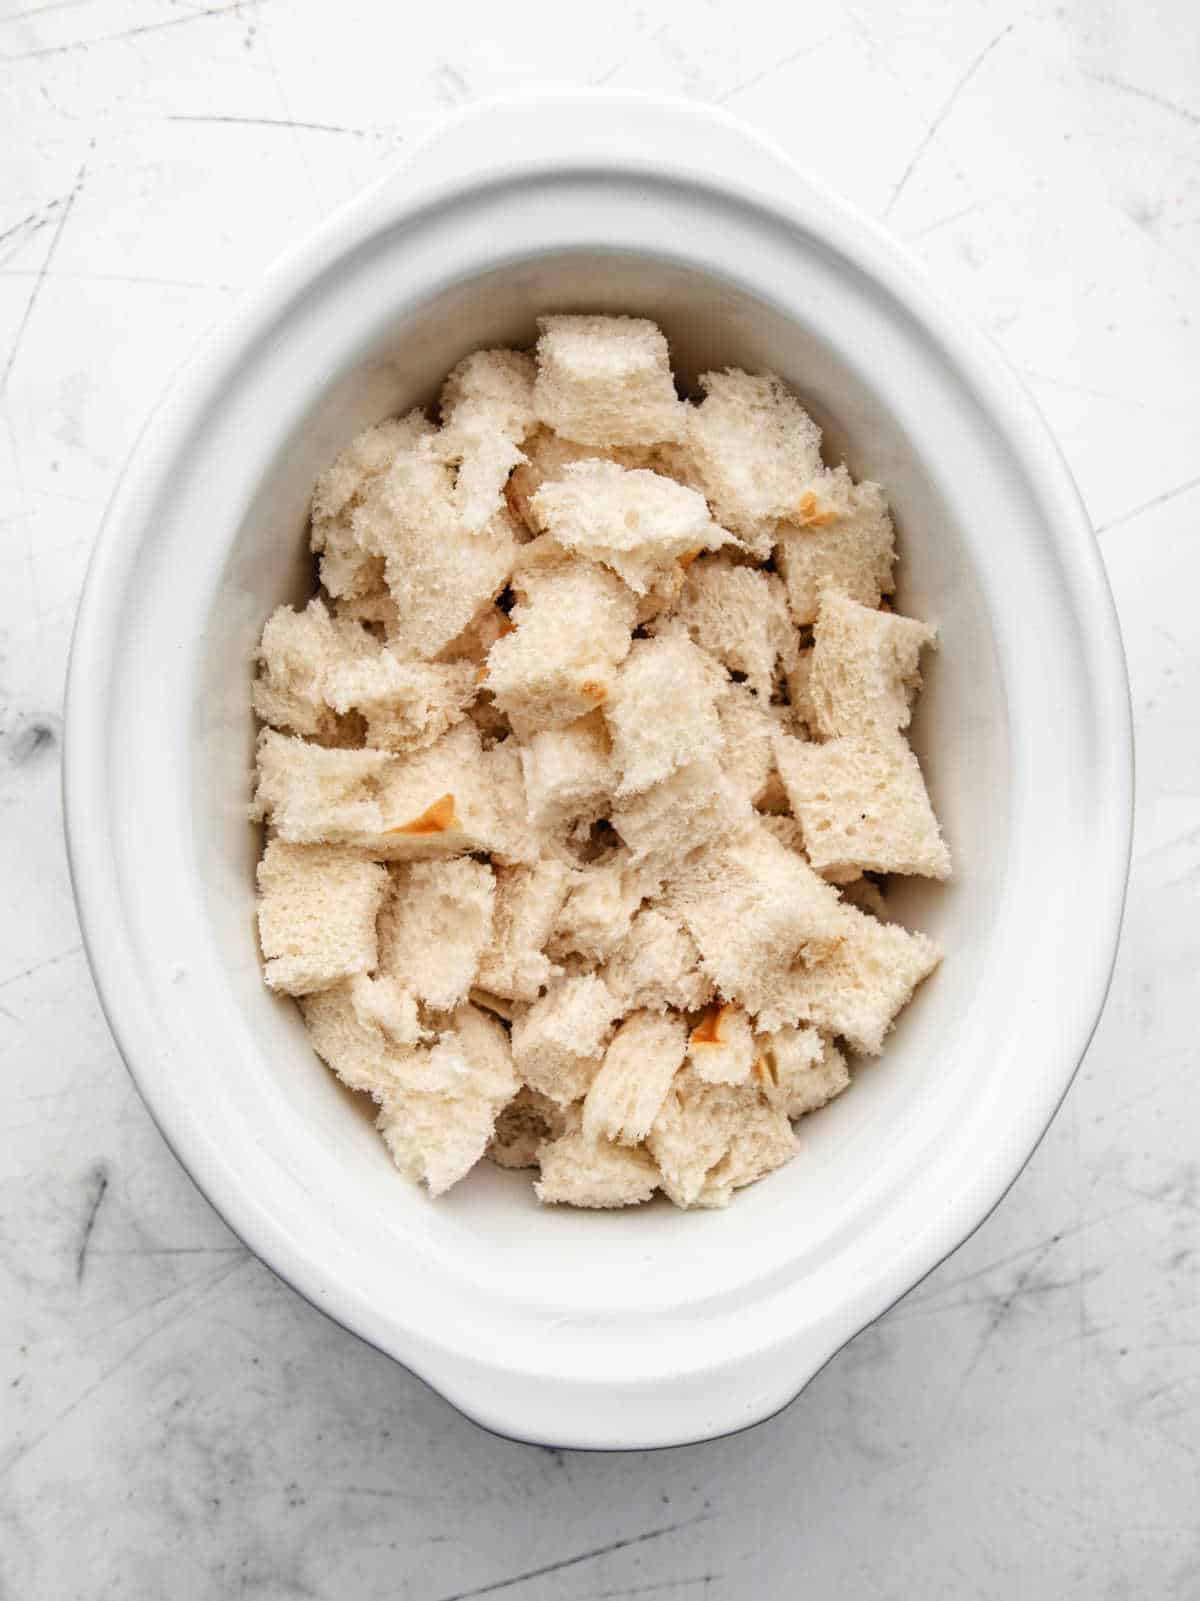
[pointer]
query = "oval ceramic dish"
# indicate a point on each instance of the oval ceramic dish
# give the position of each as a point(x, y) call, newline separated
point(647, 1327)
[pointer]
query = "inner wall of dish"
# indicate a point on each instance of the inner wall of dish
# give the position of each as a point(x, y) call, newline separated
point(960, 733)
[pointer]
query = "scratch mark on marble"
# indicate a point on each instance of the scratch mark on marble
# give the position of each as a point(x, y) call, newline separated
point(237, 6)
point(68, 203)
point(648, 1589)
point(283, 122)
point(583, 1556)
point(39, 11)
point(943, 222)
point(1148, 505)
point(1082, 389)
point(49, 961)
point(756, 78)
point(947, 107)
point(97, 1185)
point(22, 1451)
point(1161, 101)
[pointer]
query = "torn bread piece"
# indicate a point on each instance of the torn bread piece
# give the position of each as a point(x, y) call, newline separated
point(316, 795)
point(739, 614)
point(802, 715)
point(317, 907)
point(486, 407)
point(547, 453)
point(347, 569)
point(437, 1132)
point(865, 669)
point(523, 1127)
point(571, 629)
point(857, 991)
point(528, 901)
point(721, 1047)
point(692, 808)
point(382, 1004)
point(559, 1042)
point(656, 967)
point(598, 911)
point(635, 521)
point(863, 805)
point(577, 1171)
point(693, 1130)
point(642, 1058)
point(754, 907)
point(511, 837)
point(434, 928)
point(438, 571)
point(568, 774)
point(842, 536)
point(799, 1070)
point(361, 1053)
point(748, 729)
point(763, 1139)
point(663, 711)
point(606, 381)
point(755, 451)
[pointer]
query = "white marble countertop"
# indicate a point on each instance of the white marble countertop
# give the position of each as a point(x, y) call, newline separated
point(175, 1421)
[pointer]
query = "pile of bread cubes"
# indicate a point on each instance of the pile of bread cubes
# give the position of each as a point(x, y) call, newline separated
point(582, 771)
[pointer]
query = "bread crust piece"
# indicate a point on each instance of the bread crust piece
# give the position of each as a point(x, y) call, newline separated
point(606, 381)
point(858, 991)
point(437, 1124)
point(558, 1044)
point(642, 1058)
point(755, 450)
point(841, 535)
point(635, 521)
point(316, 915)
point(865, 668)
point(721, 1048)
point(863, 805)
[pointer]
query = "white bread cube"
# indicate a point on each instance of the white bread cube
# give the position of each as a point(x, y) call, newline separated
point(576, 1171)
point(439, 572)
point(799, 1071)
point(523, 1127)
point(656, 967)
point(635, 521)
point(437, 1132)
point(346, 568)
point(316, 915)
point(721, 1047)
point(694, 1129)
point(843, 536)
point(755, 451)
point(559, 1042)
point(362, 1054)
point(754, 907)
point(568, 774)
point(383, 1005)
point(425, 805)
point(663, 712)
point(572, 627)
point(762, 1141)
point(865, 668)
point(625, 1096)
point(314, 795)
point(435, 926)
point(315, 666)
point(858, 990)
point(528, 901)
point(863, 805)
point(606, 381)
point(692, 808)
point(738, 614)
point(748, 729)
point(599, 908)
